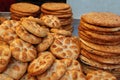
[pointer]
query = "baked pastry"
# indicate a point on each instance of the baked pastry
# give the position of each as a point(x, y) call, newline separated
point(34, 28)
point(41, 64)
point(23, 51)
point(5, 55)
point(26, 36)
point(55, 72)
point(16, 69)
point(72, 64)
point(46, 43)
point(65, 47)
point(50, 21)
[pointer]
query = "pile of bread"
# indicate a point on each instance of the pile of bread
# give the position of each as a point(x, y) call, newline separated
point(36, 49)
point(19, 10)
point(99, 34)
point(62, 10)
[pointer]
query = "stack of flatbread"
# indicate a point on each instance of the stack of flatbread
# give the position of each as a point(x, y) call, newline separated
point(22, 9)
point(99, 33)
point(62, 10)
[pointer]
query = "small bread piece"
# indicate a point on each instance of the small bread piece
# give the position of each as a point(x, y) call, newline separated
point(5, 77)
point(65, 47)
point(41, 64)
point(34, 28)
point(61, 32)
point(73, 75)
point(5, 55)
point(23, 51)
point(50, 21)
point(100, 75)
point(55, 72)
point(97, 64)
point(46, 43)
point(25, 7)
point(16, 69)
point(55, 6)
point(28, 77)
point(72, 64)
point(26, 36)
point(105, 19)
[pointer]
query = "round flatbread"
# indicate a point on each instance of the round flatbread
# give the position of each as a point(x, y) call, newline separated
point(105, 19)
point(65, 47)
point(16, 69)
point(26, 36)
point(98, 28)
point(55, 72)
point(72, 64)
point(55, 6)
point(41, 64)
point(23, 51)
point(50, 21)
point(25, 7)
point(34, 28)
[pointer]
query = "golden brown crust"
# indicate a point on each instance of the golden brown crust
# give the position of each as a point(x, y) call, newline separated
point(16, 69)
point(41, 64)
point(97, 64)
point(73, 75)
point(55, 6)
point(105, 19)
point(23, 51)
point(5, 55)
point(25, 7)
point(105, 60)
point(26, 36)
point(46, 43)
point(100, 74)
point(65, 47)
point(96, 52)
point(72, 64)
point(55, 72)
point(34, 28)
point(28, 77)
point(50, 21)
point(98, 28)
point(110, 49)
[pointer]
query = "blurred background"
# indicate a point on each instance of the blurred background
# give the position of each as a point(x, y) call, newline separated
point(79, 7)
point(5, 4)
